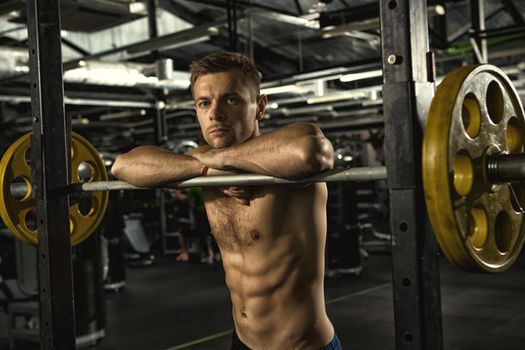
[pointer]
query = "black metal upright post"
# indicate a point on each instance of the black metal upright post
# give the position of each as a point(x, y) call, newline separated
point(440, 26)
point(50, 175)
point(152, 25)
point(231, 12)
point(161, 127)
point(160, 120)
point(407, 92)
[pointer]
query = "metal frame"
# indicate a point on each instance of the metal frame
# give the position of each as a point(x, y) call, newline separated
point(479, 43)
point(231, 13)
point(140, 47)
point(50, 175)
point(407, 92)
point(439, 33)
point(160, 125)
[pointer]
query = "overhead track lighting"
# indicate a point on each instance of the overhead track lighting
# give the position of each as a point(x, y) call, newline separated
point(361, 75)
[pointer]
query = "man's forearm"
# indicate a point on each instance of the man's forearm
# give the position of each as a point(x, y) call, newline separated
point(151, 166)
point(295, 151)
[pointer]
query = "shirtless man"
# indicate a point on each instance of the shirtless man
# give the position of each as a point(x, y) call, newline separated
point(271, 238)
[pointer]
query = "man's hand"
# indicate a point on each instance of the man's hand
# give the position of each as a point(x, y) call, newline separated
point(242, 195)
point(213, 158)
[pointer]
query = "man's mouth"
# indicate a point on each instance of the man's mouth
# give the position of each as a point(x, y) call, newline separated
point(218, 131)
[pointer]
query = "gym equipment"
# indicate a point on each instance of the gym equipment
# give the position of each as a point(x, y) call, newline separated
point(17, 210)
point(139, 247)
point(472, 162)
point(475, 125)
point(336, 175)
point(23, 311)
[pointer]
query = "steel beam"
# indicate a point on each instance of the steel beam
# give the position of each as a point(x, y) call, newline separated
point(407, 92)
point(458, 33)
point(479, 44)
point(182, 37)
point(50, 172)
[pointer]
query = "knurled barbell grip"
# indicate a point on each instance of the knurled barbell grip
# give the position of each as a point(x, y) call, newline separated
point(336, 175)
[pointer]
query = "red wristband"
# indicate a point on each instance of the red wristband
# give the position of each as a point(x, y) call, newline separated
point(204, 171)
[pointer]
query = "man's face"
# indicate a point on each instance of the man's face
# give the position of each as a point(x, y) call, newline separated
point(227, 111)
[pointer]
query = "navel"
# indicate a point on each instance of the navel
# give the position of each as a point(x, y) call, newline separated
point(244, 315)
point(255, 235)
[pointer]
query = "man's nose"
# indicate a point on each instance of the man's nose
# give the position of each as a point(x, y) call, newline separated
point(217, 113)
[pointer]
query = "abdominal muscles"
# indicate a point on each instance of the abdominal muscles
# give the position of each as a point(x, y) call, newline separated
point(274, 270)
point(277, 297)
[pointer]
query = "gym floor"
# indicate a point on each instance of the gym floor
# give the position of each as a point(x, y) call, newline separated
point(186, 306)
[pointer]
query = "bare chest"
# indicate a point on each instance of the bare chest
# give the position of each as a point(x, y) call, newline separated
point(237, 226)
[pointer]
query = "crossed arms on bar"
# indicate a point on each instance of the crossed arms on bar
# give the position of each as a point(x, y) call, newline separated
point(295, 151)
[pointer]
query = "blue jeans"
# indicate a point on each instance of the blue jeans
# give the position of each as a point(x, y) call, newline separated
point(335, 344)
point(237, 344)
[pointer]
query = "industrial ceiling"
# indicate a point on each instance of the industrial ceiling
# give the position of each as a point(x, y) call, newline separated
point(320, 60)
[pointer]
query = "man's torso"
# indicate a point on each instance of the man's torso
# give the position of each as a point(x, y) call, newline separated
point(273, 256)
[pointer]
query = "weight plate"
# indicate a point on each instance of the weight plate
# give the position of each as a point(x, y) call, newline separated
point(19, 214)
point(475, 113)
point(86, 166)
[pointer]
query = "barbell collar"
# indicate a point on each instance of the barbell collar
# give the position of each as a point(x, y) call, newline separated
point(504, 167)
point(19, 190)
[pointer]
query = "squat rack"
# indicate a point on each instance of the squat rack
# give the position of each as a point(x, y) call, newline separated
point(50, 154)
point(408, 88)
point(407, 91)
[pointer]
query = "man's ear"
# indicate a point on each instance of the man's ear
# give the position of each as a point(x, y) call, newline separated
point(261, 106)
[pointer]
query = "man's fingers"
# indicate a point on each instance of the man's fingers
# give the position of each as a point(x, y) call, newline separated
point(240, 195)
point(238, 191)
point(243, 201)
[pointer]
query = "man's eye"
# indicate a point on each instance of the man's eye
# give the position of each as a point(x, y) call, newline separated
point(232, 100)
point(203, 104)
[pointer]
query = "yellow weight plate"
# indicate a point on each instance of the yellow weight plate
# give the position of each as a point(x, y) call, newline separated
point(19, 214)
point(475, 113)
point(86, 166)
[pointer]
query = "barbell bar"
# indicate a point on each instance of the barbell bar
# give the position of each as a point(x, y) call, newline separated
point(501, 168)
point(20, 190)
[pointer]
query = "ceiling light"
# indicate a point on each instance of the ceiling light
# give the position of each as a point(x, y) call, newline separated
point(335, 97)
point(280, 89)
point(361, 75)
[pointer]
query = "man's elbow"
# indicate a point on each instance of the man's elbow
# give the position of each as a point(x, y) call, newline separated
point(117, 169)
point(318, 155)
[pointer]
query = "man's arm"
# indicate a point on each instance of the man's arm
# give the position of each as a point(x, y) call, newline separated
point(151, 166)
point(294, 151)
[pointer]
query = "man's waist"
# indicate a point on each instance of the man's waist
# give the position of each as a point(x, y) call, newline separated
point(294, 321)
point(301, 334)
